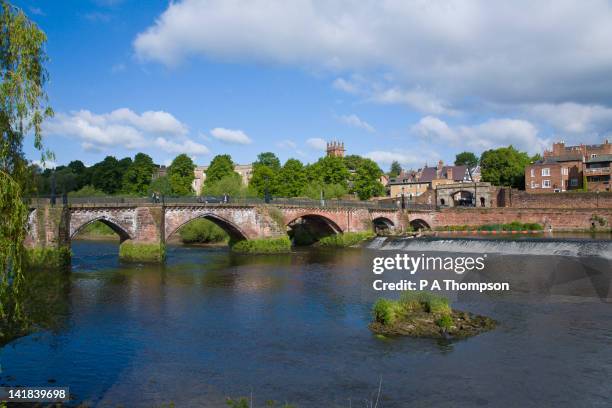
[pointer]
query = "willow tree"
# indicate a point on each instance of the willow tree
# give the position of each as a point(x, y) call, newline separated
point(24, 106)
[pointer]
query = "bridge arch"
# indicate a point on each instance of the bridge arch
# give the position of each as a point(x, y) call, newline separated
point(306, 229)
point(114, 224)
point(419, 223)
point(382, 224)
point(234, 231)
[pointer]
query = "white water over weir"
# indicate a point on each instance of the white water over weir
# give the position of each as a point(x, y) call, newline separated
point(542, 247)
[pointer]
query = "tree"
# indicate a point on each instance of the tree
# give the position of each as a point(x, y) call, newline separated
point(268, 159)
point(329, 170)
point(366, 181)
point(107, 175)
point(23, 100)
point(466, 159)
point(161, 185)
point(293, 178)
point(230, 185)
point(352, 161)
point(137, 178)
point(83, 177)
point(396, 169)
point(263, 178)
point(181, 176)
point(504, 166)
point(220, 166)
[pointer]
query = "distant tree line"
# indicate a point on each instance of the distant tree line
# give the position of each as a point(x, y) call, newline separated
point(330, 177)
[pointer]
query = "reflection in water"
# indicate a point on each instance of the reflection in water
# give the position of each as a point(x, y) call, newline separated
point(209, 324)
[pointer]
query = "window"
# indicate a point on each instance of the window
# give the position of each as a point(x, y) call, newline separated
point(532, 172)
point(533, 184)
point(574, 182)
point(545, 183)
point(564, 171)
point(546, 171)
point(593, 155)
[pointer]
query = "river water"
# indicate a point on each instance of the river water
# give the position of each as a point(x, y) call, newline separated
point(209, 324)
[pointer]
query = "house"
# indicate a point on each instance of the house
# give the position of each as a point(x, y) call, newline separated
point(563, 168)
point(245, 171)
point(414, 183)
point(597, 172)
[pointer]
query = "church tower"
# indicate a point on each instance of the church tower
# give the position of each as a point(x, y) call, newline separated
point(335, 149)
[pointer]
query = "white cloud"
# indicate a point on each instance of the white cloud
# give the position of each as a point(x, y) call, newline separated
point(439, 55)
point(354, 121)
point(286, 144)
point(186, 146)
point(486, 135)
point(573, 118)
point(119, 128)
point(408, 159)
point(231, 136)
point(316, 143)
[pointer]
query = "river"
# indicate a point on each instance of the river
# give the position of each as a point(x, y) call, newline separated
point(209, 324)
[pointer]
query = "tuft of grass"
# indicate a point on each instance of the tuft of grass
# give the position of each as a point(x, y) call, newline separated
point(445, 322)
point(346, 239)
point(142, 252)
point(263, 246)
point(388, 311)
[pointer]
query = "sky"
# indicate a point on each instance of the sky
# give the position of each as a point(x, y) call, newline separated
point(409, 80)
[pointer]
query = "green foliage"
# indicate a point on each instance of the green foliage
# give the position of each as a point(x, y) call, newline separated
point(395, 169)
point(48, 258)
point(292, 179)
point(220, 167)
point(180, 175)
point(328, 170)
point(230, 184)
point(346, 239)
point(107, 175)
point(141, 252)
point(137, 178)
point(160, 185)
point(87, 191)
point(445, 322)
point(264, 176)
point(244, 402)
point(466, 159)
point(202, 231)
point(366, 180)
point(388, 311)
point(277, 216)
point(263, 246)
point(97, 228)
point(22, 89)
point(268, 159)
point(330, 191)
point(504, 166)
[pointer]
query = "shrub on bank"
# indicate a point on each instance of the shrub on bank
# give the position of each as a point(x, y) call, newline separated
point(97, 228)
point(48, 258)
point(202, 231)
point(142, 252)
point(345, 240)
point(388, 311)
point(263, 246)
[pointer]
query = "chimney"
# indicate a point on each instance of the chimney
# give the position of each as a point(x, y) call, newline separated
point(449, 173)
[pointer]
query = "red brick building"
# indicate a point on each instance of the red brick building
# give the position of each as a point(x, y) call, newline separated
point(564, 168)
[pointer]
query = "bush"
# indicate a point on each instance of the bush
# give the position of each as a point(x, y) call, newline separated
point(87, 191)
point(97, 228)
point(445, 322)
point(345, 240)
point(263, 246)
point(202, 231)
point(387, 311)
point(142, 252)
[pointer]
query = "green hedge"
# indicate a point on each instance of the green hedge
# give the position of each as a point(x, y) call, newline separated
point(263, 246)
point(345, 240)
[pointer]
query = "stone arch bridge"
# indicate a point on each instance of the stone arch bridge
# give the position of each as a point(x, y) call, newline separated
point(150, 225)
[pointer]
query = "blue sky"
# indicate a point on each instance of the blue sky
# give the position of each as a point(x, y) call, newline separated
point(407, 80)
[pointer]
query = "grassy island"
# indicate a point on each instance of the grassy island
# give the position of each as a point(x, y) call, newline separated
point(262, 246)
point(423, 314)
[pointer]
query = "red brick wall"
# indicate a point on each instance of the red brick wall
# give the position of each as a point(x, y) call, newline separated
point(560, 218)
point(522, 199)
